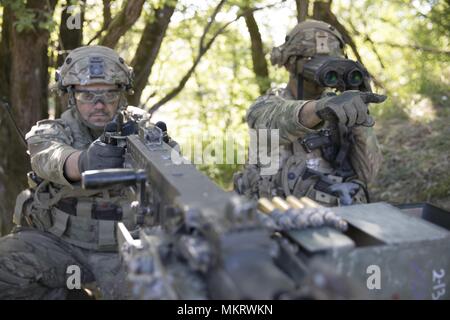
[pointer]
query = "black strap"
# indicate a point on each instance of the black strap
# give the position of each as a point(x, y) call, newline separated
point(104, 211)
point(299, 86)
point(342, 140)
point(323, 182)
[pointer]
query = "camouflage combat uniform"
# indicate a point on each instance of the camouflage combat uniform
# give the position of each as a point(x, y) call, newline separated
point(302, 171)
point(279, 110)
point(33, 261)
point(66, 225)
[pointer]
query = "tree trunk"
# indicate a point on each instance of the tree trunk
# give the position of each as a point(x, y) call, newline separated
point(107, 18)
point(6, 133)
point(69, 40)
point(106, 13)
point(302, 10)
point(5, 54)
point(322, 11)
point(258, 57)
point(28, 96)
point(122, 22)
point(148, 49)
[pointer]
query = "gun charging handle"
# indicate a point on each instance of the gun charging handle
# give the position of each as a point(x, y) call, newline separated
point(112, 131)
point(162, 125)
point(98, 179)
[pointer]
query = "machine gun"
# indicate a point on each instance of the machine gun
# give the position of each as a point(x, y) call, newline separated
point(196, 241)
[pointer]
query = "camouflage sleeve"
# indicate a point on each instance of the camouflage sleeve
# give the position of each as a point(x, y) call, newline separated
point(49, 145)
point(274, 112)
point(365, 154)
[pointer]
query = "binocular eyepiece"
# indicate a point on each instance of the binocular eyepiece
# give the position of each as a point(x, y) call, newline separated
point(330, 78)
point(333, 72)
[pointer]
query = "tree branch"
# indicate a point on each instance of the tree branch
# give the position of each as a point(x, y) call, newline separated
point(302, 9)
point(210, 22)
point(106, 13)
point(258, 57)
point(414, 47)
point(123, 21)
point(148, 48)
point(106, 20)
point(367, 38)
point(202, 50)
point(322, 11)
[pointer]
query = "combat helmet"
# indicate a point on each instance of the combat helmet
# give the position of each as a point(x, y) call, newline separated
point(308, 39)
point(94, 64)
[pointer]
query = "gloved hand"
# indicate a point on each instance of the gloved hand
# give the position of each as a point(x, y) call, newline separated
point(100, 155)
point(345, 191)
point(349, 108)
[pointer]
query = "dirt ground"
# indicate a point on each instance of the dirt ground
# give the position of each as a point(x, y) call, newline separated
point(416, 164)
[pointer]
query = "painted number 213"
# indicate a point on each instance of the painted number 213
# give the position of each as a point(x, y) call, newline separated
point(438, 284)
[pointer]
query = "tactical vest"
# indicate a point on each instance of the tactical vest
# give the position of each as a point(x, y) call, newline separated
point(84, 218)
point(302, 172)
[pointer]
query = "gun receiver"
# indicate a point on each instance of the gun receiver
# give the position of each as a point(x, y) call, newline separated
point(209, 241)
point(195, 241)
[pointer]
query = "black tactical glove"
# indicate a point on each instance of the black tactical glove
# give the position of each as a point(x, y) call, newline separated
point(345, 191)
point(100, 155)
point(349, 108)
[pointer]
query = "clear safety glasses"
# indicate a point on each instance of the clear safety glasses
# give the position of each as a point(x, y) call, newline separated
point(93, 96)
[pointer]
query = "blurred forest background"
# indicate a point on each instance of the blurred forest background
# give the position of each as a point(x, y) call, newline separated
point(200, 64)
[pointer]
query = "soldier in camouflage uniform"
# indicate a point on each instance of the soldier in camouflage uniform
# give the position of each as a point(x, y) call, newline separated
point(67, 225)
point(305, 172)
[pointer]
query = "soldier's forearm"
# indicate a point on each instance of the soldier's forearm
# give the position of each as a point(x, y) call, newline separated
point(71, 170)
point(307, 116)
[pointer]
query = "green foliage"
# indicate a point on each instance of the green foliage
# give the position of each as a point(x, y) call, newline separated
point(25, 18)
point(30, 19)
point(217, 96)
point(411, 42)
point(404, 44)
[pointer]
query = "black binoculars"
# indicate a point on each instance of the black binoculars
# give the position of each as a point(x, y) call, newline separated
point(333, 72)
